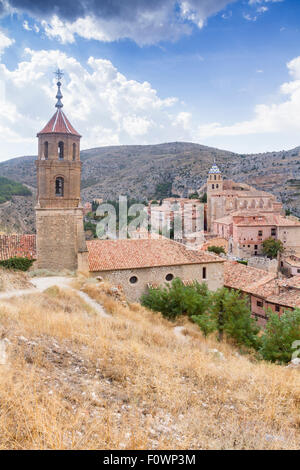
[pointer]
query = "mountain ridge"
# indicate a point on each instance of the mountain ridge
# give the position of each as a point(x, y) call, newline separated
point(180, 167)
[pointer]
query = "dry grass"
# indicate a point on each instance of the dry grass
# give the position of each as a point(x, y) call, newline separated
point(76, 380)
point(11, 280)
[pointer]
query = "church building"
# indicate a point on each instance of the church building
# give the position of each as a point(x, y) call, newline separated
point(60, 241)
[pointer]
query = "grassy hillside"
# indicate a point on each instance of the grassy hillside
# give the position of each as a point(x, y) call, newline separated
point(9, 188)
point(75, 380)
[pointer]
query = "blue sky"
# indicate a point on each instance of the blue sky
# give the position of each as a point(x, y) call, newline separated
point(218, 72)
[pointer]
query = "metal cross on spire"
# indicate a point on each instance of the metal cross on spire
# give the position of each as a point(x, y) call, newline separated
point(59, 74)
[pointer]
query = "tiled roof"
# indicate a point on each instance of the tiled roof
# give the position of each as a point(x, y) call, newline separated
point(218, 241)
point(109, 255)
point(244, 278)
point(285, 292)
point(17, 245)
point(59, 124)
point(257, 218)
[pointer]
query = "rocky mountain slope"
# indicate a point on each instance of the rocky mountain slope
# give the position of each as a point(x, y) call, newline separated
point(179, 167)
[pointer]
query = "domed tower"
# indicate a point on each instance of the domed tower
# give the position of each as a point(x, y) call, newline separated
point(59, 214)
point(214, 187)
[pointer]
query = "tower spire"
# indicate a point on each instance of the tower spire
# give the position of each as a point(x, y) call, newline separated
point(59, 74)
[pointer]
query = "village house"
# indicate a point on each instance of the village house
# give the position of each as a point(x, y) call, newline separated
point(246, 231)
point(188, 214)
point(134, 265)
point(290, 264)
point(265, 290)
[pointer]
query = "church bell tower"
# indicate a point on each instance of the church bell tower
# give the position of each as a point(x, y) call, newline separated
point(214, 187)
point(59, 214)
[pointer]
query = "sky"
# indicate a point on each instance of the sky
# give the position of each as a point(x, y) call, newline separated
point(222, 73)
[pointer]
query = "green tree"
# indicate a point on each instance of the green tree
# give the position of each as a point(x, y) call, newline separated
point(233, 317)
point(206, 322)
point(271, 247)
point(216, 249)
point(204, 198)
point(279, 336)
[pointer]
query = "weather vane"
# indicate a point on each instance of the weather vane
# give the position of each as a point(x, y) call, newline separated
point(59, 74)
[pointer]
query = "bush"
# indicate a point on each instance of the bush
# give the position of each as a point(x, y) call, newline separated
point(17, 263)
point(280, 333)
point(216, 249)
point(177, 299)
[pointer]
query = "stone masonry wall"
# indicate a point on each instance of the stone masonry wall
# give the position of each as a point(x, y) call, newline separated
point(157, 275)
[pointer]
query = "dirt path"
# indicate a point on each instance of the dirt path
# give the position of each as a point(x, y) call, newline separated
point(43, 283)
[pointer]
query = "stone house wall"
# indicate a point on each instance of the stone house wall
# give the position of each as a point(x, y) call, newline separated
point(157, 275)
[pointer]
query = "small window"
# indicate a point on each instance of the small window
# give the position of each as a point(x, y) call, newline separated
point(277, 308)
point(46, 150)
point(255, 247)
point(213, 186)
point(260, 233)
point(273, 232)
point(217, 186)
point(215, 177)
point(59, 187)
point(203, 273)
point(259, 303)
point(74, 152)
point(133, 280)
point(298, 270)
point(169, 277)
point(61, 150)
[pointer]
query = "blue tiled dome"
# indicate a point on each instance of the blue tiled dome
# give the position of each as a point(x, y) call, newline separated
point(214, 169)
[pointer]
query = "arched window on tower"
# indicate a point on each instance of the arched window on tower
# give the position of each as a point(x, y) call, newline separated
point(46, 150)
point(61, 150)
point(215, 177)
point(74, 152)
point(59, 187)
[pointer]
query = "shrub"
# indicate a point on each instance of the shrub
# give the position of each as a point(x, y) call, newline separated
point(177, 299)
point(216, 249)
point(17, 263)
point(280, 333)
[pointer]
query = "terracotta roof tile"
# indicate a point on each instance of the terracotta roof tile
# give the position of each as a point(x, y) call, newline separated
point(244, 278)
point(17, 245)
point(285, 292)
point(107, 255)
point(59, 124)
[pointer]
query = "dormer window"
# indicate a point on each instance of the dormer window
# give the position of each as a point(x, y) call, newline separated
point(60, 150)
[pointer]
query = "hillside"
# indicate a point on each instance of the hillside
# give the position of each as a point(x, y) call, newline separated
point(73, 379)
point(179, 168)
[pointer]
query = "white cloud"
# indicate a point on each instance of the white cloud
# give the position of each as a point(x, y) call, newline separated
point(281, 118)
point(102, 104)
point(149, 26)
point(5, 42)
point(26, 25)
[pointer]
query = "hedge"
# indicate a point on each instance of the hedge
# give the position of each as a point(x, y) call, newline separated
point(17, 263)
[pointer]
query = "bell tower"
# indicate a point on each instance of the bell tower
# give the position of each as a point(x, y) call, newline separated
point(59, 214)
point(214, 187)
